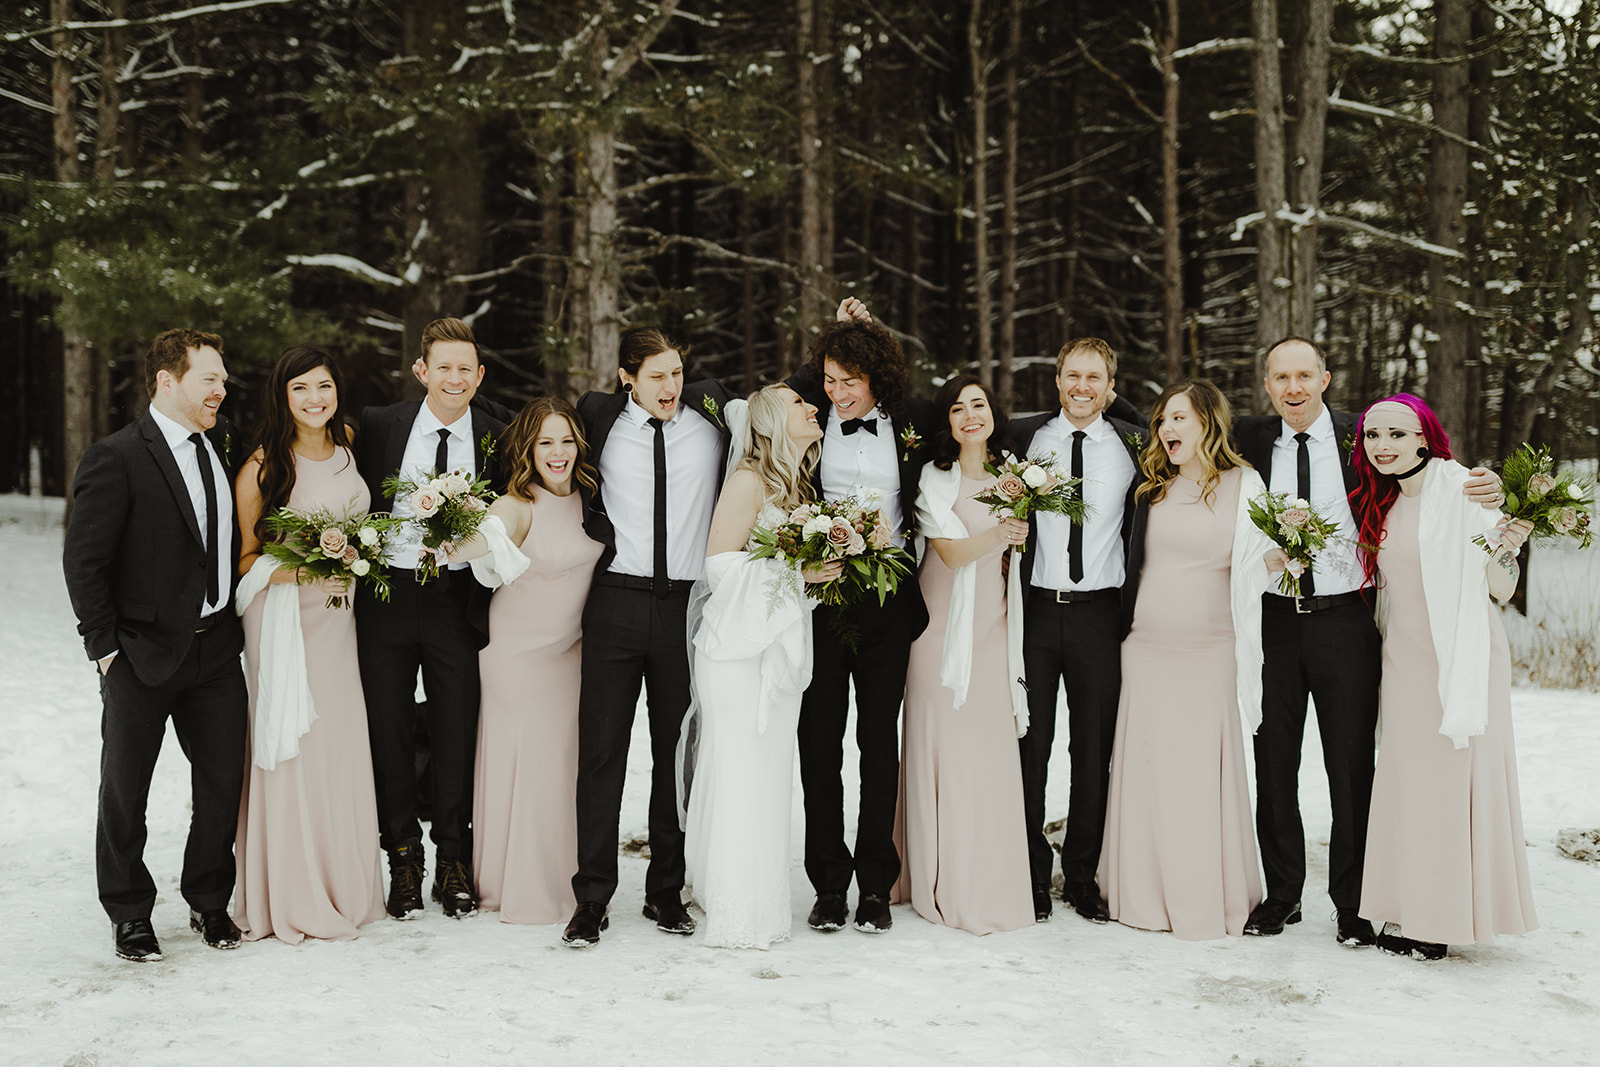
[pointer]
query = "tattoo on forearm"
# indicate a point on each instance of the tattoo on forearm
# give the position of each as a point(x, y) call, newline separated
point(1508, 563)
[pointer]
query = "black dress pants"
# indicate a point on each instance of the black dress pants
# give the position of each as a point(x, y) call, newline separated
point(630, 637)
point(1335, 656)
point(1078, 644)
point(421, 626)
point(206, 701)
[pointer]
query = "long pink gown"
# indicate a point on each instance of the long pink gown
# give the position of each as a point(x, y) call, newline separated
point(1445, 853)
point(1179, 851)
point(309, 864)
point(524, 805)
point(963, 849)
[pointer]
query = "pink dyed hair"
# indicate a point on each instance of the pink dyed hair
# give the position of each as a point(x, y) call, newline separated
point(1374, 493)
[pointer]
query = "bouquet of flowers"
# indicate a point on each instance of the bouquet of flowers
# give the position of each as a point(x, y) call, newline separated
point(1557, 504)
point(846, 529)
point(1293, 525)
point(448, 508)
point(322, 547)
point(1024, 486)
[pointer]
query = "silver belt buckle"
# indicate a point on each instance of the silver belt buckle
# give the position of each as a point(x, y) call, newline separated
point(1064, 596)
point(1299, 606)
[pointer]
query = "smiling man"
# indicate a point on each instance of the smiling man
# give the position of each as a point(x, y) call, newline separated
point(428, 626)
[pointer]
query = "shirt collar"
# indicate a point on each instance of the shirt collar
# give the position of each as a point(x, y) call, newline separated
point(1096, 430)
point(428, 423)
point(874, 412)
point(638, 416)
point(1321, 428)
point(174, 431)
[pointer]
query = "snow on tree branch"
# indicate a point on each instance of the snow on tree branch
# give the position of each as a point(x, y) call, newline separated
point(153, 20)
point(347, 264)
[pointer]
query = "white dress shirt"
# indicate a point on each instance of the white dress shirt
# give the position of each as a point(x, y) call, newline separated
point(1337, 569)
point(1107, 473)
point(628, 489)
point(864, 465)
point(405, 544)
point(188, 460)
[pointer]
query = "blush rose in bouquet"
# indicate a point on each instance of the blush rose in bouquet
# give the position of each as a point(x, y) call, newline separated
point(448, 508)
point(1293, 525)
point(850, 530)
point(323, 547)
point(1025, 486)
point(1558, 505)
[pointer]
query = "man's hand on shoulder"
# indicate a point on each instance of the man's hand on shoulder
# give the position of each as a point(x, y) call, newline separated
point(1483, 488)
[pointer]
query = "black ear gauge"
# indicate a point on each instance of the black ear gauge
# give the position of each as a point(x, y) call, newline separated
point(1424, 453)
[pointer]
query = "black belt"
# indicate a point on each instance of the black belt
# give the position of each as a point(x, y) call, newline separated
point(676, 587)
point(1077, 596)
point(1306, 605)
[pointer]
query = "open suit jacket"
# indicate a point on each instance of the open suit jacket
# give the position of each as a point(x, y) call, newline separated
point(133, 556)
point(1256, 434)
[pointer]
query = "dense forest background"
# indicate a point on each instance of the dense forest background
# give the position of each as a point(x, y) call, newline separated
point(1411, 183)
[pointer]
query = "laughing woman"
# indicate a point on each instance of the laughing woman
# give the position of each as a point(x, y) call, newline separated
point(1179, 852)
point(524, 804)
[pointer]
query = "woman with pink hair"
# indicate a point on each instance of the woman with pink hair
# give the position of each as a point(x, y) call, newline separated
point(1445, 859)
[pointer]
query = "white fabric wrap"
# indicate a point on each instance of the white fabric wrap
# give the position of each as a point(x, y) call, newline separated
point(757, 608)
point(1455, 584)
point(503, 561)
point(936, 518)
point(282, 707)
point(1248, 578)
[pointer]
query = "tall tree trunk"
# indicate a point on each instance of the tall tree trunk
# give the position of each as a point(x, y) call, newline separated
point(980, 191)
point(108, 152)
point(1447, 199)
point(1521, 413)
point(1272, 318)
point(747, 295)
point(552, 273)
point(1171, 240)
point(77, 371)
point(1311, 102)
point(1008, 199)
point(1467, 441)
point(816, 285)
point(194, 100)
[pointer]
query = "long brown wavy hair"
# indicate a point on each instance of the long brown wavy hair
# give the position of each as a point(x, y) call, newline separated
point(1215, 451)
point(275, 432)
point(516, 446)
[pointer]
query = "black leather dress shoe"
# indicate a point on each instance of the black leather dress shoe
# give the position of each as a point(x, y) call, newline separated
point(1270, 917)
point(587, 922)
point(1392, 941)
point(670, 916)
point(214, 927)
point(406, 868)
point(452, 888)
point(872, 914)
point(1086, 901)
point(1354, 930)
point(136, 941)
point(829, 913)
point(1043, 906)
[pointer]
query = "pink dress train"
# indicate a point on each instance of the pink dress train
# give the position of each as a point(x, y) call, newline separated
point(524, 804)
point(308, 859)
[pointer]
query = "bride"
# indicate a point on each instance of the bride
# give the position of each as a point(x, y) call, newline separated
point(750, 626)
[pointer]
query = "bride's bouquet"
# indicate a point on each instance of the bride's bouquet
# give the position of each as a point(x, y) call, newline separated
point(847, 529)
point(1024, 486)
point(1557, 504)
point(1293, 525)
point(447, 508)
point(324, 548)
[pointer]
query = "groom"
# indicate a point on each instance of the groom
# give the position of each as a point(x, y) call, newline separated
point(150, 559)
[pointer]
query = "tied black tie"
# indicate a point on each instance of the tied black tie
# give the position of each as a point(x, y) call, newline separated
point(208, 483)
point(1302, 489)
point(850, 426)
point(441, 455)
point(660, 580)
point(1075, 536)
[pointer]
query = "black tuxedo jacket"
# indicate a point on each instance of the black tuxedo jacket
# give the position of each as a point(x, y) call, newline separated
point(705, 398)
point(1132, 435)
point(133, 555)
point(1256, 434)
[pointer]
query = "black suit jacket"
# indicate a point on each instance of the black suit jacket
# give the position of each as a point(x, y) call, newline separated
point(1256, 434)
point(133, 555)
point(599, 411)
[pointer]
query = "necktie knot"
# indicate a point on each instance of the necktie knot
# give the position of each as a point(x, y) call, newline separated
point(1302, 437)
point(850, 426)
point(1079, 435)
point(655, 424)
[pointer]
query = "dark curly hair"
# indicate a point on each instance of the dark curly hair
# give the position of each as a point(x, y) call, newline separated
point(868, 350)
point(945, 449)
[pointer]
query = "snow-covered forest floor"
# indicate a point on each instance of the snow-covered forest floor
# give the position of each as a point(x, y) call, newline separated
point(482, 992)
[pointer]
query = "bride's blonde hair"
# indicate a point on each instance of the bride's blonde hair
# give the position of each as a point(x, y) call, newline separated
point(785, 471)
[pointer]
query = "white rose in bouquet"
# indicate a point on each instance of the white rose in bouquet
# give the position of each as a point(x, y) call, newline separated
point(361, 568)
point(1036, 476)
point(368, 536)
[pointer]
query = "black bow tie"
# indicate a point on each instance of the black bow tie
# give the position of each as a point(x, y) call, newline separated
point(850, 426)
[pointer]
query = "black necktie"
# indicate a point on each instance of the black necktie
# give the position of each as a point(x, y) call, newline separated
point(1302, 489)
point(850, 426)
point(660, 579)
point(1075, 537)
point(209, 484)
point(441, 455)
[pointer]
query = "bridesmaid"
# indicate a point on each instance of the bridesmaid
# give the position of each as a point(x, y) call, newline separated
point(308, 856)
point(1179, 850)
point(524, 805)
point(965, 856)
point(1446, 860)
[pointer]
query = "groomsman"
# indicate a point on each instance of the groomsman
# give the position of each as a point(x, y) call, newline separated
point(660, 447)
point(872, 432)
point(1322, 644)
point(1072, 633)
point(438, 627)
point(150, 558)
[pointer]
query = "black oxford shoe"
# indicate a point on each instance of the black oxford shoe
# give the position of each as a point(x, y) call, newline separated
point(1086, 901)
point(136, 941)
point(670, 916)
point(214, 927)
point(1354, 930)
point(872, 914)
point(1269, 917)
point(587, 921)
point(829, 913)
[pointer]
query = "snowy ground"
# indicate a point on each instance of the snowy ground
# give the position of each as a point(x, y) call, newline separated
point(481, 992)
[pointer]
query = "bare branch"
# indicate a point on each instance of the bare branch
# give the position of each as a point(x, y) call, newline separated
point(153, 20)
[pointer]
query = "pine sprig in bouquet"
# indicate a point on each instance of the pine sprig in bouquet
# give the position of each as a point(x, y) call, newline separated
point(1293, 525)
point(447, 508)
point(323, 547)
point(1025, 486)
point(847, 529)
point(1558, 505)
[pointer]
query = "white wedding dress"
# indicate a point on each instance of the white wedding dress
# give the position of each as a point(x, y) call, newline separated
point(751, 663)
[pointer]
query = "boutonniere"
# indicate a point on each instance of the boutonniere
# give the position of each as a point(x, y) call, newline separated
point(910, 441)
point(227, 445)
point(710, 405)
point(1135, 440)
point(1349, 442)
point(486, 445)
